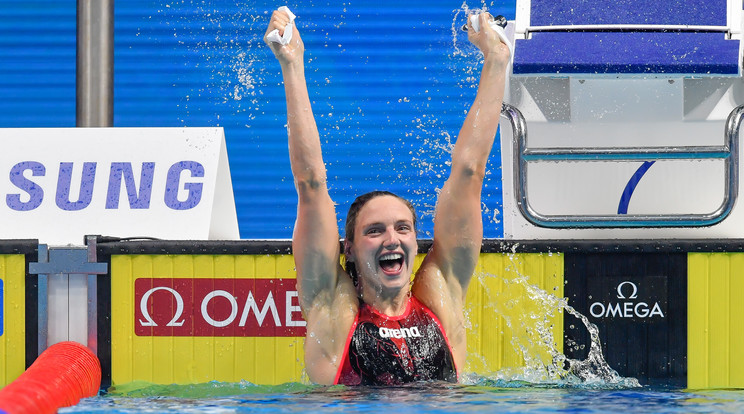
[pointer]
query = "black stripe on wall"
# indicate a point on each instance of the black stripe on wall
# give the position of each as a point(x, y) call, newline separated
point(639, 303)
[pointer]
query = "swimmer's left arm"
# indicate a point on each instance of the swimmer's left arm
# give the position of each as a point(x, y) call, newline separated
point(458, 227)
point(442, 280)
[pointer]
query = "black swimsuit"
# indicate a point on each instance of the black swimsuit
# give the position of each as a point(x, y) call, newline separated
point(391, 350)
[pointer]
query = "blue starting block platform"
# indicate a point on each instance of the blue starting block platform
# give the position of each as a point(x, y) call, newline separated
point(696, 37)
point(619, 52)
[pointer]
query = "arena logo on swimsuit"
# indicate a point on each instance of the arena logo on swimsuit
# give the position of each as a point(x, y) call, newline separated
point(175, 194)
point(217, 307)
point(412, 332)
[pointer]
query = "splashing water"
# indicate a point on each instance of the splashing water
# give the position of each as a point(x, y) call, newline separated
point(533, 334)
point(459, 19)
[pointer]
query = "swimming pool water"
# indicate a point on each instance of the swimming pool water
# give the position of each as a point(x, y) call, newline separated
point(484, 396)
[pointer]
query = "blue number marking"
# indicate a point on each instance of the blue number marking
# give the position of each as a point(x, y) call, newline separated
point(622, 208)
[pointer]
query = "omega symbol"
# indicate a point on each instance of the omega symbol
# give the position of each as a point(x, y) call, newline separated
point(634, 291)
point(146, 314)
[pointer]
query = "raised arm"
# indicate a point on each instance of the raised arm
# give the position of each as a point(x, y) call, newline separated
point(326, 294)
point(315, 238)
point(458, 228)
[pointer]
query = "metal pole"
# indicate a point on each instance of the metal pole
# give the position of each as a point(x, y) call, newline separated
point(95, 63)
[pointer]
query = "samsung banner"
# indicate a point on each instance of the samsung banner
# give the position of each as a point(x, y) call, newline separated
point(60, 184)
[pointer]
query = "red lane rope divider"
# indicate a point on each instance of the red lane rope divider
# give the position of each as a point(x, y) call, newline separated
point(62, 375)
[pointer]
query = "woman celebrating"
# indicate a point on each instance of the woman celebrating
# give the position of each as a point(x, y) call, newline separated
point(368, 323)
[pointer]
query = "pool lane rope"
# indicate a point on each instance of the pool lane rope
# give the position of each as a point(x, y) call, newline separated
point(62, 375)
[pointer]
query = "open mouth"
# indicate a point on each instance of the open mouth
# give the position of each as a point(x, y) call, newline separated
point(391, 263)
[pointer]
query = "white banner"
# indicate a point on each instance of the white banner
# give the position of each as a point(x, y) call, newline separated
point(60, 184)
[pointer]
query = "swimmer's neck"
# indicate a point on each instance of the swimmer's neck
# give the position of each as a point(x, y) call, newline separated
point(388, 303)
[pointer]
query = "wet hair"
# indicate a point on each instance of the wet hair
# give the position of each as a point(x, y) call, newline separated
point(351, 218)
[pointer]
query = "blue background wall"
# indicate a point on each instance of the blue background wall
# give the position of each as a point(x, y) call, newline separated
point(390, 83)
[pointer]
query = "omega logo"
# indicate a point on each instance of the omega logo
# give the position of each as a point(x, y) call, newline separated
point(251, 305)
point(626, 291)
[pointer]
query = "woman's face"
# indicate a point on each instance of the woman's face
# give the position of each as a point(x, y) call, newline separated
point(384, 246)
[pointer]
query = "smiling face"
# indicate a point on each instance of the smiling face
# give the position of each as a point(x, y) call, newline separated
point(384, 245)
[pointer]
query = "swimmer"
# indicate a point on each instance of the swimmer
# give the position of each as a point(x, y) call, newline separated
point(367, 322)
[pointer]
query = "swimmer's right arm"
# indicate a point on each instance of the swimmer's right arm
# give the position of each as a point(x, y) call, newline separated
point(315, 239)
point(327, 296)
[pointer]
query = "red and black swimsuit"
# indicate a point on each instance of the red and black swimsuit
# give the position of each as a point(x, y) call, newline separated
point(391, 350)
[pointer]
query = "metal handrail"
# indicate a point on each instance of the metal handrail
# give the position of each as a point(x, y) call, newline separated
point(628, 27)
point(729, 153)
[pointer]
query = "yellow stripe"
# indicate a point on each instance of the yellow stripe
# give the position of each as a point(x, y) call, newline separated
point(503, 315)
point(714, 320)
point(697, 320)
point(736, 327)
point(13, 339)
point(718, 349)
